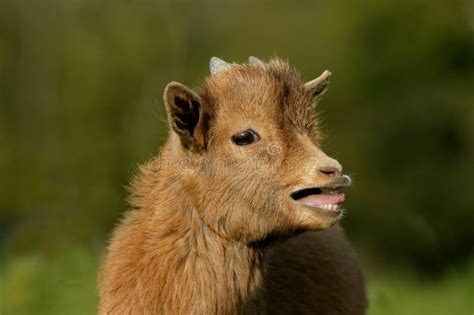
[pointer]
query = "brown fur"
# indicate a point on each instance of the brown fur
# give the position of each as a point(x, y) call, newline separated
point(212, 229)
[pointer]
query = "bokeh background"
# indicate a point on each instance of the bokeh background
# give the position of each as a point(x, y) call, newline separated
point(81, 106)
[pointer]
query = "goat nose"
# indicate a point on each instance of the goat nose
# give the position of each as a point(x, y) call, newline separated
point(330, 171)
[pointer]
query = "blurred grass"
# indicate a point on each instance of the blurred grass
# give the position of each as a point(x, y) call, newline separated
point(63, 284)
point(66, 284)
point(402, 293)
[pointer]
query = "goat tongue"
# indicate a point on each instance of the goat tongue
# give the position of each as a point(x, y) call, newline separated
point(322, 199)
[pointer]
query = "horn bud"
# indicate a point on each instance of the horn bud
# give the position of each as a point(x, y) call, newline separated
point(217, 65)
point(255, 61)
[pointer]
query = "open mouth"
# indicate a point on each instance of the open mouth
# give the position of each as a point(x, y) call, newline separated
point(326, 198)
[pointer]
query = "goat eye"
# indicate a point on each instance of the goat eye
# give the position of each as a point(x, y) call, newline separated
point(245, 137)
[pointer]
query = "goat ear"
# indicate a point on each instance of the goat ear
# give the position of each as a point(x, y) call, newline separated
point(318, 86)
point(184, 109)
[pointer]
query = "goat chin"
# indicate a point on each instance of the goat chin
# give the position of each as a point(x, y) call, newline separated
point(238, 213)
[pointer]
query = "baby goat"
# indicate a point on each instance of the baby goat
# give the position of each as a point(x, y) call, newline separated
point(237, 213)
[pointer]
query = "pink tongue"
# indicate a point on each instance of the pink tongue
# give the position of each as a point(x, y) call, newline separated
point(318, 200)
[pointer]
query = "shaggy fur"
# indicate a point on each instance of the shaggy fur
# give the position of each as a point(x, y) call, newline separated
point(212, 228)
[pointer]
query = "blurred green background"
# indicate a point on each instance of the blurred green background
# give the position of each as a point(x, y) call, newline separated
point(81, 106)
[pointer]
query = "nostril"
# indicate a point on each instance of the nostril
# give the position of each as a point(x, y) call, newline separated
point(329, 171)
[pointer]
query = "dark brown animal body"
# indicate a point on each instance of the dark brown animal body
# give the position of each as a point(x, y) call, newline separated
point(238, 214)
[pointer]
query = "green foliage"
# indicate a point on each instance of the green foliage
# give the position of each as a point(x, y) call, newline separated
point(63, 284)
point(393, 294)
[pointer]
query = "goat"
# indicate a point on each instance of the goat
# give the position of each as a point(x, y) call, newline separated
point(239, 212)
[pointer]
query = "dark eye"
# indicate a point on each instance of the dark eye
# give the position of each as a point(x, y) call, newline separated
point(245, 137)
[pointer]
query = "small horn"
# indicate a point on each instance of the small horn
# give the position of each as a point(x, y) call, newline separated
point(318, 86)
point(255, 61)
point(217, 65)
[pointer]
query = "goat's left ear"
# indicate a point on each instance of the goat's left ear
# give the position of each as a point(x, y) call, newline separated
point(184, 109)
point(318, 86)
